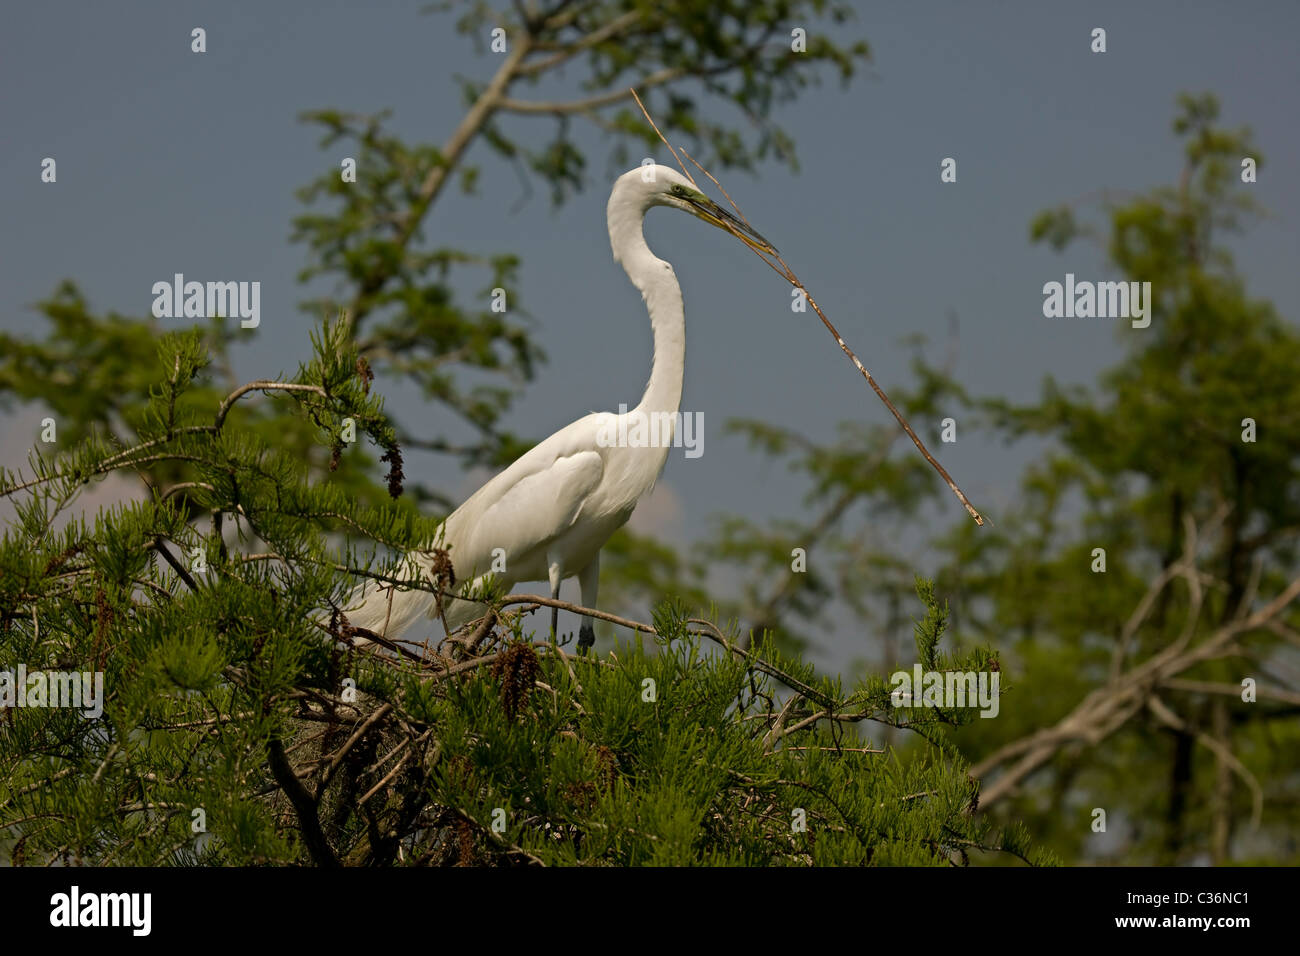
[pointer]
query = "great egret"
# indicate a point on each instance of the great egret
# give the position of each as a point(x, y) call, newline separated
point(549, 513)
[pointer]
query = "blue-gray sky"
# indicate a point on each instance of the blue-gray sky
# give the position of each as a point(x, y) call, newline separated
point(170, 162)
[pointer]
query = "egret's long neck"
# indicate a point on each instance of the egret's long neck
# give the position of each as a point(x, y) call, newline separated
point(663, 299)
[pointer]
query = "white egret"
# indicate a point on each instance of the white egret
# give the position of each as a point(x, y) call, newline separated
point(551, 511)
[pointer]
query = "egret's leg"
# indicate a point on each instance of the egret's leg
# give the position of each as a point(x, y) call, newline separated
point(588, 580)
point(553, 573)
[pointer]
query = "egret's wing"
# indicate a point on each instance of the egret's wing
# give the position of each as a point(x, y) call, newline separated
point(533, 501)
point(524, 507)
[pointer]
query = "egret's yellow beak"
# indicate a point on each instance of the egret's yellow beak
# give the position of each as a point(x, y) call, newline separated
point(706, 209)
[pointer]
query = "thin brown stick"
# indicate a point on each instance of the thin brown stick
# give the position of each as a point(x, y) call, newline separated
point(782, 269)
point(342, 752)
point(387, 777)
point(646, 112)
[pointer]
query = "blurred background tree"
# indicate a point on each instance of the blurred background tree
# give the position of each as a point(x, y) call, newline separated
point(1127, 686)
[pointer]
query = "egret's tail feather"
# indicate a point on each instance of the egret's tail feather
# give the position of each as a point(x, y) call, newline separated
point(398, 614)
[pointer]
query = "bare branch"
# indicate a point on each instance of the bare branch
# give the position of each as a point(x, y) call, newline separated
point(234, 396)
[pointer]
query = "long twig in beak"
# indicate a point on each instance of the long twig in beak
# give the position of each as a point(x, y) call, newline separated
point(778, 265)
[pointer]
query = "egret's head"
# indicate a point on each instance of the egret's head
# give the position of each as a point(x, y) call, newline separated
point(667, 187)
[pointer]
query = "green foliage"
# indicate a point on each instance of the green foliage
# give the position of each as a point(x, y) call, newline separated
point(510, 753)
point(368, 245)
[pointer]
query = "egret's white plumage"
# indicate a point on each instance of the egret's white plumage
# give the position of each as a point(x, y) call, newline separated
point(551, 511)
